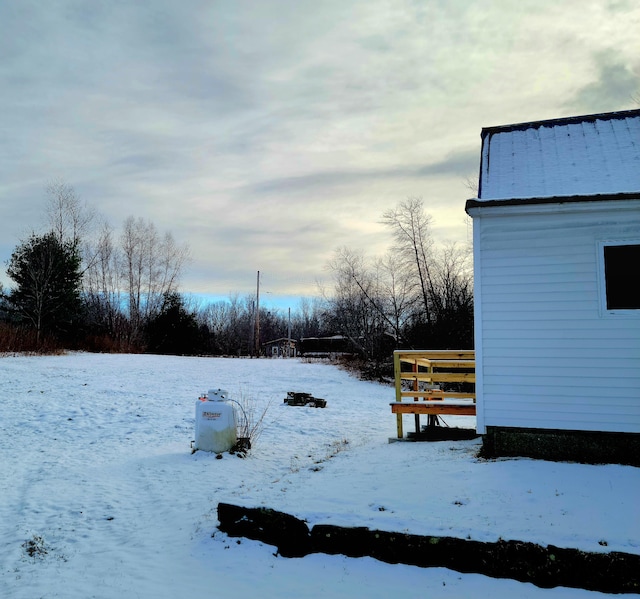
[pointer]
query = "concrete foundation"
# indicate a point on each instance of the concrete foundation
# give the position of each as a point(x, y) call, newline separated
point(562, 445)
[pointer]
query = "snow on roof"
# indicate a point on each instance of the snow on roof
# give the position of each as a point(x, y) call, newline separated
point(585, 155)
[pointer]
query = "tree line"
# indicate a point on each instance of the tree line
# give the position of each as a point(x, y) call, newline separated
point(417, 296)
point(81, 284)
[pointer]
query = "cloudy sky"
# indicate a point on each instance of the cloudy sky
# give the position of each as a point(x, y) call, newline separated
point(267, 133)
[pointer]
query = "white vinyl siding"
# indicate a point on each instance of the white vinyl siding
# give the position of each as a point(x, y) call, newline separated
point(548, 357)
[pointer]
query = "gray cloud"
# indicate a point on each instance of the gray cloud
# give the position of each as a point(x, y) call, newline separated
point(615, 86)
point(459, 165)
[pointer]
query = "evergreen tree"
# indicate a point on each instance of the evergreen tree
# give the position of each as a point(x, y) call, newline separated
point(46, 271)
point(174, 330)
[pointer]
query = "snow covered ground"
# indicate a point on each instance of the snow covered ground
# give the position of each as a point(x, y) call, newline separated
point(100, 495)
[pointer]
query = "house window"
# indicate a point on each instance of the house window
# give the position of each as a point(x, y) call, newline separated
point(621, 264)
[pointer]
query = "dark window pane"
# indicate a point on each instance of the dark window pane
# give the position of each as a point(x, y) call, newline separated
point(622, 276)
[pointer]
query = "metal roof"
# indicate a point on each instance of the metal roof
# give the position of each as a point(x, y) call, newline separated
point(576, 156)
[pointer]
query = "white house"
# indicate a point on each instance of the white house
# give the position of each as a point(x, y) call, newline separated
point(556, 230)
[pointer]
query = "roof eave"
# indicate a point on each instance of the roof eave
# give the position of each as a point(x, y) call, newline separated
point(616, 197)
point(603, 116)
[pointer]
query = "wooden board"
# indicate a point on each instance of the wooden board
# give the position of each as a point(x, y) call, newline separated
point(435, 407)
point(440, 377)
point(438, 394)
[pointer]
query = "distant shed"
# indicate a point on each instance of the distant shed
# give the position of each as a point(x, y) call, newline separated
point(557, 288)
point(327, 347)
point(284, 347)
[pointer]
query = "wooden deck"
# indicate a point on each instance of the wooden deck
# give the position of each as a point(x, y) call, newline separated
point(427, 370)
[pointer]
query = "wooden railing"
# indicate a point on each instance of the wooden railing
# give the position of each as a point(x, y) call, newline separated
point(429, 371)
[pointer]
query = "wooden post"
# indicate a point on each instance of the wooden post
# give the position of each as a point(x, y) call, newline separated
point(397, 368)
point(415, 388)
point(431, 419)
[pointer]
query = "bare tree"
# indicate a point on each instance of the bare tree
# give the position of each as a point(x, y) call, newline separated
point(371, 299)
point(228, 324)
point(171, 259)
point(396, 289)
point(133, 267)
point(356, 304)
point(419, 293)
point(308, 319)
point(471, 183)
point(410, 226)
point(103, 286)
point(150, 268)
point(67, 216)
point(454, 280)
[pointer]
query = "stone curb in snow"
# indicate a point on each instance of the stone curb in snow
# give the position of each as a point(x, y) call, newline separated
point(545, 567)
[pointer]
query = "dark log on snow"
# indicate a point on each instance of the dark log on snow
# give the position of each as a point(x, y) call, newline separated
point(287, 533)
point(546, 567)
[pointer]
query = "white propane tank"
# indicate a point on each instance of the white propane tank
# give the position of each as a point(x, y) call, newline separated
point(215, 422)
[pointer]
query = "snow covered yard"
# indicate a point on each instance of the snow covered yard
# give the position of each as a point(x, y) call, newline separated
point(100, 495)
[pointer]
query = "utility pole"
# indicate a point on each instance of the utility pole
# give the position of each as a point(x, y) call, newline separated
point(258, 316)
